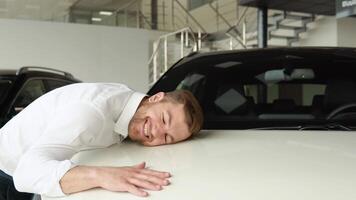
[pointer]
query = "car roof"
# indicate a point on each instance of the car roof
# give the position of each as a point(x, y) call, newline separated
point(280, 53)
point(7, 72)
point(283, 50)
point(32, 71)
point(203, 61)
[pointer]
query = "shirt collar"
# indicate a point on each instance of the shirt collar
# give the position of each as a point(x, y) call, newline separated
point(122, 124)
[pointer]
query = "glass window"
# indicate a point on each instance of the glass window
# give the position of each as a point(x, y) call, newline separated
point(241, 97)
point(300, 94)
point(311, 91)
point(30, 92)
point(252, 92)
point(195, 83)
point(4, 88)
point(53, 84)
point(230, 99)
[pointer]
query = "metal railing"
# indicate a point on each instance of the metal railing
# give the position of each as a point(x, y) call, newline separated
point(186, 37)
point(236, 32)
point(240, 28)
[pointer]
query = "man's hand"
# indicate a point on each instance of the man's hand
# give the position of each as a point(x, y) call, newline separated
point(131, 179)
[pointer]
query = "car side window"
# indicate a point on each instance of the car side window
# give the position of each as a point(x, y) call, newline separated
point(30, 92)
point(195, 83)
point(54, 84)
point(4, 88)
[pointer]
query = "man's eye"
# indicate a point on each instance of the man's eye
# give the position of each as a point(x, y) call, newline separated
point(164, 121)
point(165, 138)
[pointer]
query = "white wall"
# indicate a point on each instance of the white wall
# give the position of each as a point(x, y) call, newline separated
point(346, 28)
point(329, 31)
point(91, 53)
point(322, 32)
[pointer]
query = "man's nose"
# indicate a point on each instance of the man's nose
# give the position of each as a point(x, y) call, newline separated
point(159, 130)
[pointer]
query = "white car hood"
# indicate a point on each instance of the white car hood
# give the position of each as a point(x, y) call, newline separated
point(245, 165)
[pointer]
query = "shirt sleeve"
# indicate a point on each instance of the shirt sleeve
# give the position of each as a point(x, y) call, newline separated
point(41, 168)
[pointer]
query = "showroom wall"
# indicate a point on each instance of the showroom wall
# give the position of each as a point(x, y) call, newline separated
point(346, 31)
point(322, 32)
point(92, 53)
point(329, 31)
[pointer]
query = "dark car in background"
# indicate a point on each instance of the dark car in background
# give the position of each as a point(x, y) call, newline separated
point(18, 88)
point(277, 88)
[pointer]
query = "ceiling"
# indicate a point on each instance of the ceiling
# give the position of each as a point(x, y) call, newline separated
point(53, 10)
point(34, 9)
point(57, 10)
point(321, 7)
point(102, 4)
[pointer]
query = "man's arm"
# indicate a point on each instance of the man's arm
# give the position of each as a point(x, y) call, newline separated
point(131, 179)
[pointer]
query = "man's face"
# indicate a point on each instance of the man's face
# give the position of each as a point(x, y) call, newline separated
point(158, 123)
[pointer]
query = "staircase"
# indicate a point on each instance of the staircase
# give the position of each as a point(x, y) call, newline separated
point(284, 29)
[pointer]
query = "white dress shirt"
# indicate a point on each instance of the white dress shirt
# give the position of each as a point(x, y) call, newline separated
point(36, 145)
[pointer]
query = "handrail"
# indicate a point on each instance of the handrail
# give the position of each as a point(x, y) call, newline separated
point(231, 27)
point(145, 19)
point(184, 34)
point(237, 39)
point(240, 18)
point(167, 35)
point(191, 16)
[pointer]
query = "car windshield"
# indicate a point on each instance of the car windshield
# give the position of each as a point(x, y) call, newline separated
point(296, 95)
point(4, 88)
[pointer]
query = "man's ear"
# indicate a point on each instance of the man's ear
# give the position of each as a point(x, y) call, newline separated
point(156, 97)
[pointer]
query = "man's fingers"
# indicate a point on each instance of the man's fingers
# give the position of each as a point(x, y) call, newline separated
point(136, 191)
point(144, 184)
point(134, 179)
point(155, 173)
point(142, 169)
point(140, 166)
point(153, 179)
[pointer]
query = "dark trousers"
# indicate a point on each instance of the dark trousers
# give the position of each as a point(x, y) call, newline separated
point(8, 191)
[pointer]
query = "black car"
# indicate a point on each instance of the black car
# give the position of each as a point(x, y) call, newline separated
point(275, 88)
point(19, 88)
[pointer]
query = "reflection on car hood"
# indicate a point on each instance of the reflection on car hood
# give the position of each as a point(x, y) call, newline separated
point(251, 164)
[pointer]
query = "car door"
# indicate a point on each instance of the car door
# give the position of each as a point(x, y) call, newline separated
point(31, 90)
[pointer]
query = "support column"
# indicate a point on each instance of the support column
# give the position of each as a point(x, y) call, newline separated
point(262, 38)
point(154, 14)
point(262, 25)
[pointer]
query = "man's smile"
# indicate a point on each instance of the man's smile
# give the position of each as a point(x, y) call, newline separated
point(145, 130)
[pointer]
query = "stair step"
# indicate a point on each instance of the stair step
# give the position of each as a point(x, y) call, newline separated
point(298, 17)
point(282, 37)
point(291, 16)
point(288, 37)
point(282, 26)
point(251, 38)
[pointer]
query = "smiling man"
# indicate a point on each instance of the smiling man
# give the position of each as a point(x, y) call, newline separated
point(166, 119)
point(37, 144)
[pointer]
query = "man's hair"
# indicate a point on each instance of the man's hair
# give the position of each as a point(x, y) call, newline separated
point(192, 108)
